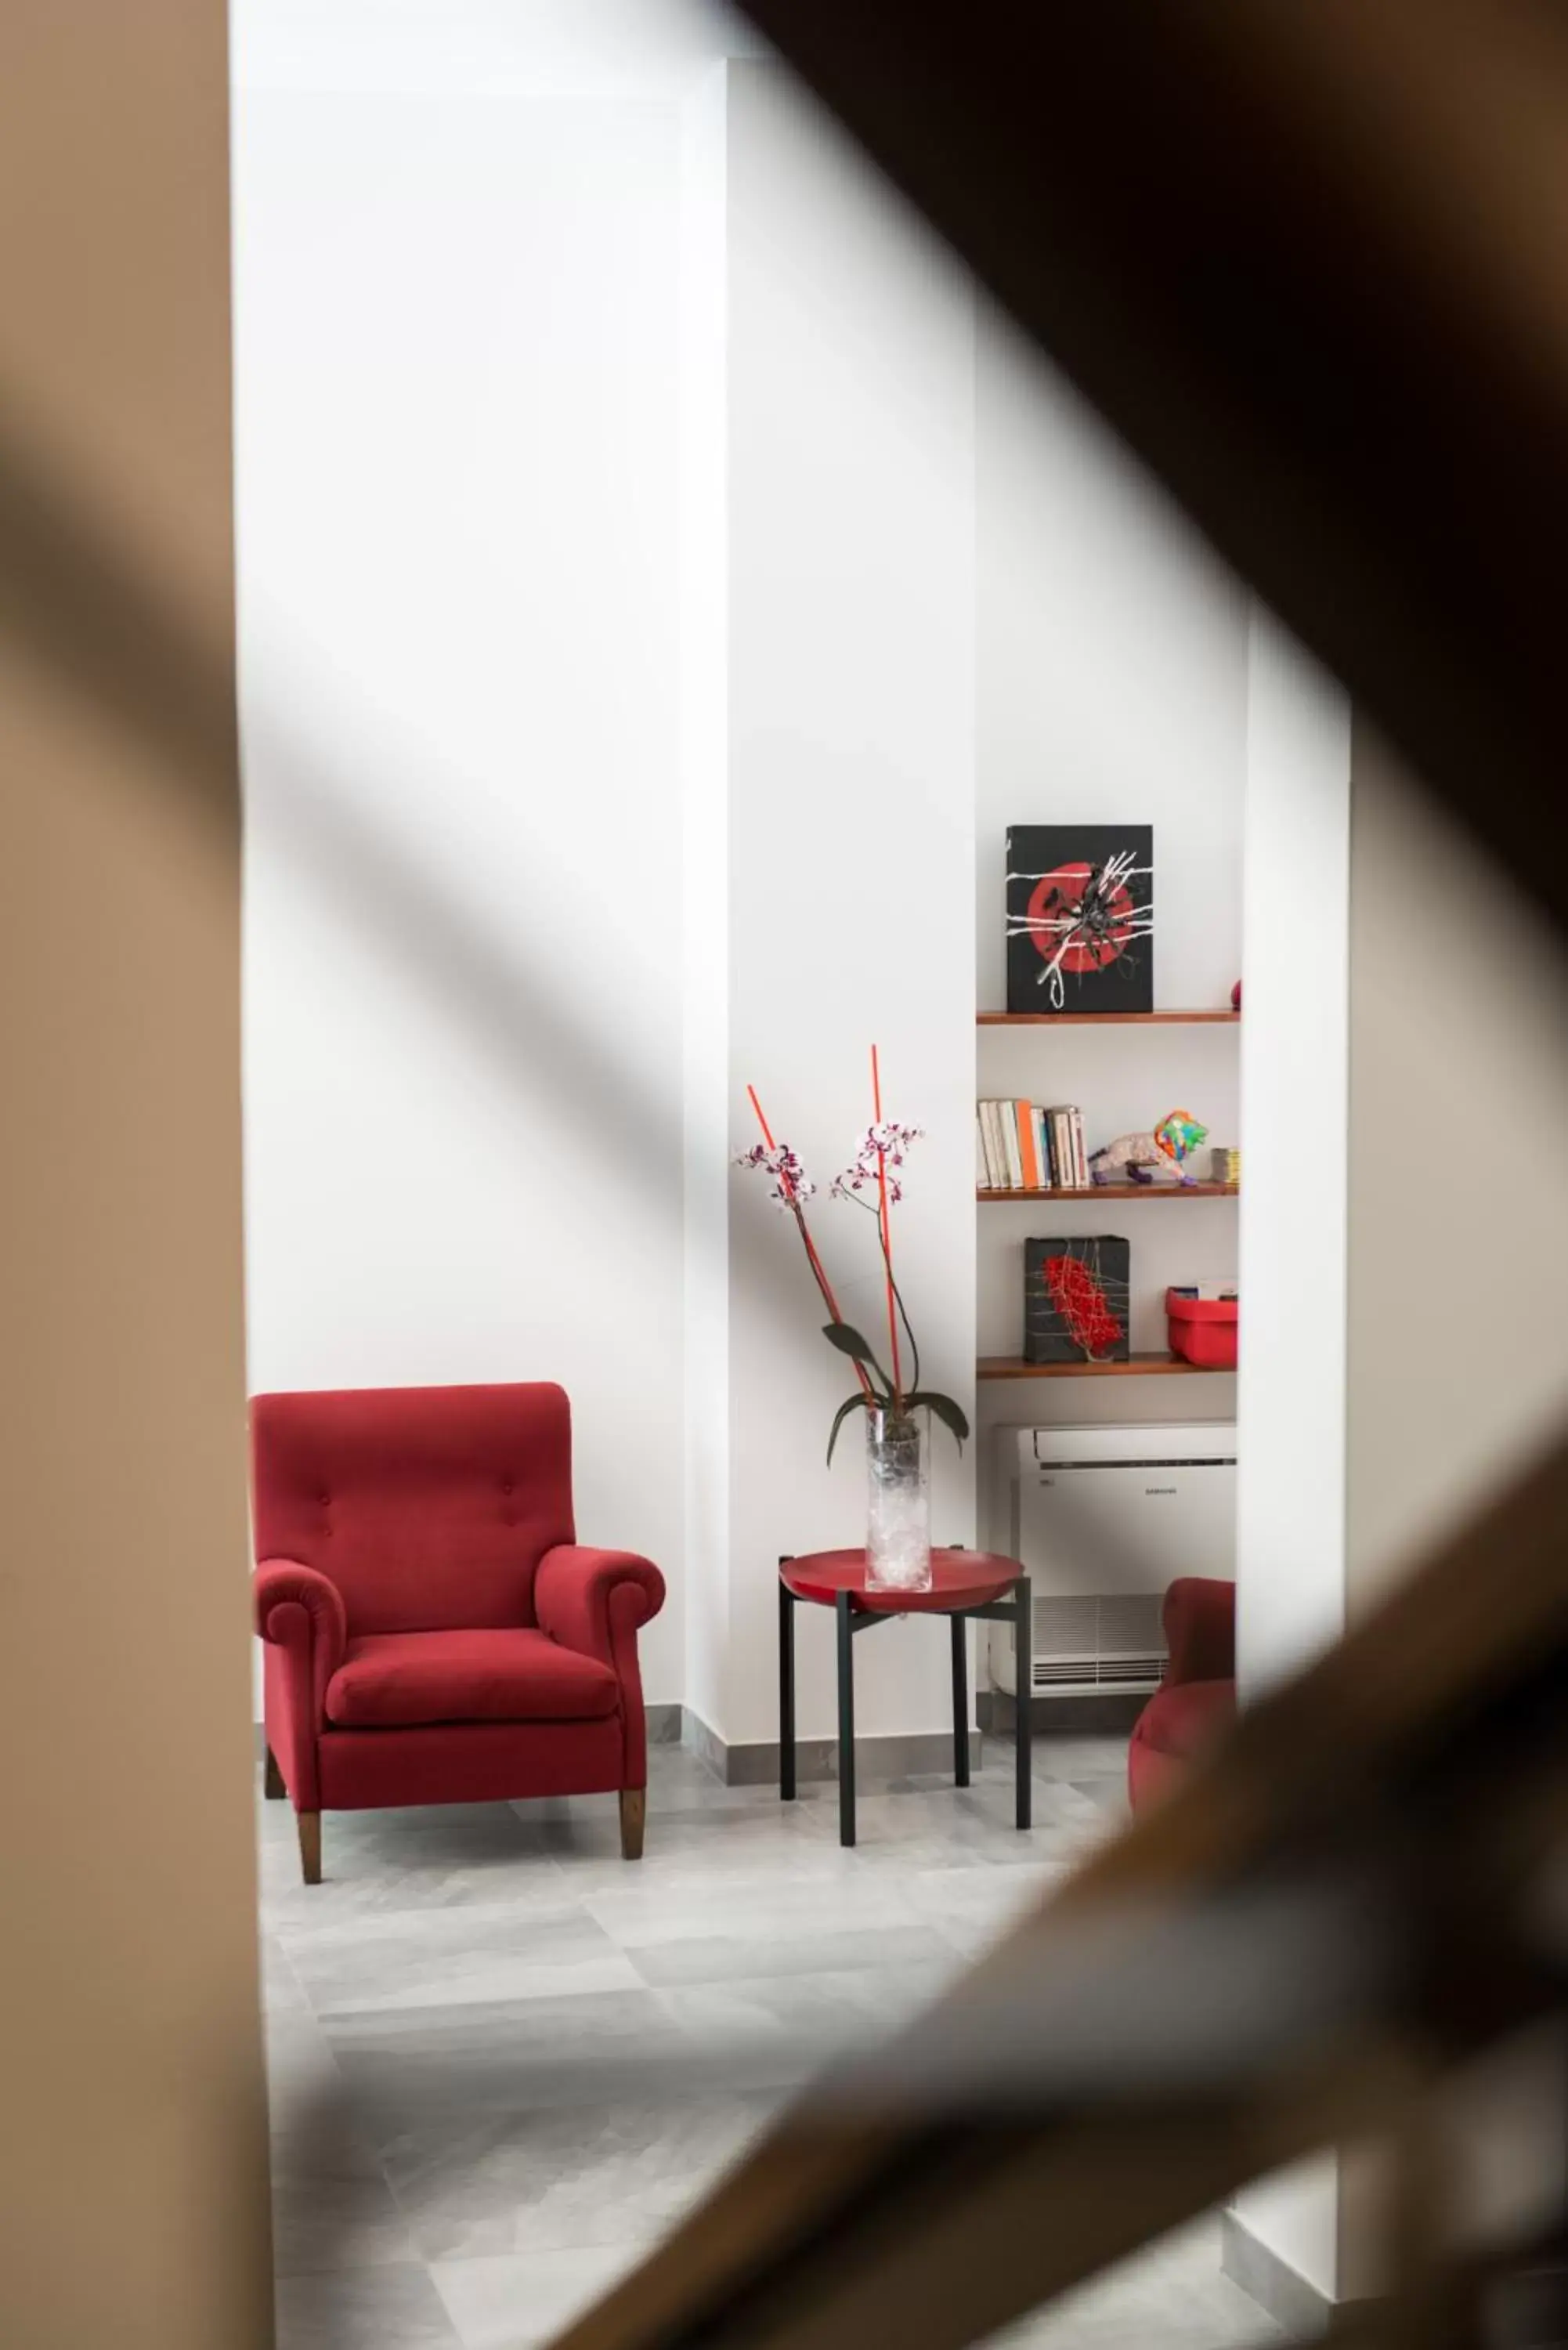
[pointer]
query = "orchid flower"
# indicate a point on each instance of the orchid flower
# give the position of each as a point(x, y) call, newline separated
point(792, 1186)
point(881, 1148)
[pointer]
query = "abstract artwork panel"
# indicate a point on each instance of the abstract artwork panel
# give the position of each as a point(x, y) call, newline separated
point(1075, 1300)
point(1080, 918)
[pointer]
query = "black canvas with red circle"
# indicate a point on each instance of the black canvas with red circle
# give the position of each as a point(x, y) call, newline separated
point(1080, 918)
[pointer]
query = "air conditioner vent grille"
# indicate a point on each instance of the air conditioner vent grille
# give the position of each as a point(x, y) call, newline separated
point(1100, 1672)
point(1098, 1640)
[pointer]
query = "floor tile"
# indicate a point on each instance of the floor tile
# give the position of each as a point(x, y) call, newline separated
point(321, 2223)
point(364, 2309)
point(300, 2067)
point(1110, 1795)
point(562, 2179)
point(281, 1990)
point(503, 2061)
point(1065, 1754)
point(681, 1845)
point(706, 1934)
point(965, 1828)
point(455, 1956)
point(777, 2032)
point(401, 2064)
point(642, 1907)
point(972, 1908)
point(439, 1856)
point(519, 2301)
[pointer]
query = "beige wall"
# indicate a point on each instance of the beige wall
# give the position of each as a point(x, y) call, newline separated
point(133, 2147)
point(1439, 1359)
point(1458, 1339)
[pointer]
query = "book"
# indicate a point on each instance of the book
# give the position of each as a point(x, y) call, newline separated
point(996, 1159)
point(1080, 1156)
point(1042, 1145)
point(982, 1171)
point(1008, 1125)
point(1061, 1146)
point(1073, 1175)
point(1024, 1117)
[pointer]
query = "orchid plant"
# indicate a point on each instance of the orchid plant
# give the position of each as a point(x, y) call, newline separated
point(871, 1182)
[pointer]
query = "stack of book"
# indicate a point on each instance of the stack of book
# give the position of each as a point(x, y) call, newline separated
point(1023, 1145)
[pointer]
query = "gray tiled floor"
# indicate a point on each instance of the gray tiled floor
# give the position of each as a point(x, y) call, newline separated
point(503, 2061)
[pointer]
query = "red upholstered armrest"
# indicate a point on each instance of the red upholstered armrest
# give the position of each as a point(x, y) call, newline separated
point(285, 1584)
point(300, 1616)
point(1200, 1629)
point(594, 1601)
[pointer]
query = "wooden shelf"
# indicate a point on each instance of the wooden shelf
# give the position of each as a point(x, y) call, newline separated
point(1139, 1367)
point(1082, 1197)
point(1105, 1019)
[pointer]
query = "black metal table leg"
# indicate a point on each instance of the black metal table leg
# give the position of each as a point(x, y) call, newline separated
point(786, 1690)
point(846, 1720)
point(961, 1700)
point(1023, 1700)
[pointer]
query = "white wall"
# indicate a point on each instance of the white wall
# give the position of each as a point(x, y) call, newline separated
point(1291, 1530)
point(707, 1111)
point(1111, 672)
point(1457, 1366)
point(647, 586)
point(1295, 1058)
point(606, 510)
point(1111, 668)
point(851, 810)
point(1458, 1262)
point(1402, 1055)
point(457, 367)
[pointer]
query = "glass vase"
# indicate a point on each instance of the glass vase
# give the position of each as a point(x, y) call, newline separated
point(897, 1503)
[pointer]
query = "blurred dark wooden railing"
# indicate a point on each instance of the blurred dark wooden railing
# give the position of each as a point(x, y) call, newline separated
point(1308, 259)
point(1295, 1951)
point(1311, 262)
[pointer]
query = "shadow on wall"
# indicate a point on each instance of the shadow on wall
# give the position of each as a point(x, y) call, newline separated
point(123, 646)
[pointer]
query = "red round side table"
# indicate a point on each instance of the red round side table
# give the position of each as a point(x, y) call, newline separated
point(966, 1584)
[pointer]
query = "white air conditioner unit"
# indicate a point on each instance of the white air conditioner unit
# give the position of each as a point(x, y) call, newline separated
point(1104, 1519)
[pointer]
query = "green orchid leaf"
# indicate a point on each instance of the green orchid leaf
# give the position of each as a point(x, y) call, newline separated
point(849, 1342)
point(950, 1413)
point(857, 1402)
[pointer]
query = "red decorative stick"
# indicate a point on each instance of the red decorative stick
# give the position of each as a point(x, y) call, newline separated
point(887, 1238)
point(815, 1262)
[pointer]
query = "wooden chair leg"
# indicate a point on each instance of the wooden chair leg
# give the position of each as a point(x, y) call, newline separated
point(310, 1847)
point(272, 1780)
point(633, 1820)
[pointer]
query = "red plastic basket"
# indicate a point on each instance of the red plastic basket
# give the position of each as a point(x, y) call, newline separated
point(1202, 1330)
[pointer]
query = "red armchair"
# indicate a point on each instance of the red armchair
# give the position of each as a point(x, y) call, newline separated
point(1197, 1701)
point(434, 1632)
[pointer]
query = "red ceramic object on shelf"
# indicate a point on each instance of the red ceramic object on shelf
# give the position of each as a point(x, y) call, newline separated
point(1203, 1330)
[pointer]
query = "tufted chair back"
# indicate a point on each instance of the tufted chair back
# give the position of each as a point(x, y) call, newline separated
point(429, 1507)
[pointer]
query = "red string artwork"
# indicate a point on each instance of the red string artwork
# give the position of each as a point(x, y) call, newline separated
point(1080, 1299)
